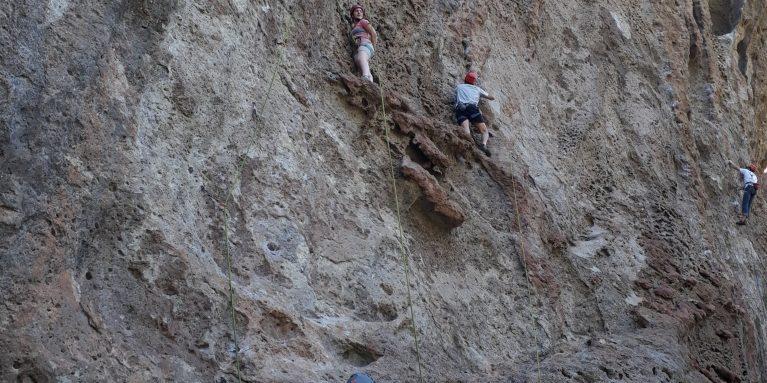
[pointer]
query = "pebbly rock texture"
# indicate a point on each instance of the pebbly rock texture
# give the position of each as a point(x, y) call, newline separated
point(200, 191)
point(451, 214)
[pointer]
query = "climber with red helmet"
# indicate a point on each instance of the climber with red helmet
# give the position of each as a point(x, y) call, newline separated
point(750, 186)
point(467, 96)
point(364, 37)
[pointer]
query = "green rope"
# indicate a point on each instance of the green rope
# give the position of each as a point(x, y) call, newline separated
point(527, 272)
point(231, 291)
point(230, 197)
point(401, 237)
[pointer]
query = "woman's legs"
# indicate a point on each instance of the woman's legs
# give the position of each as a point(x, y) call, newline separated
point(362, 59)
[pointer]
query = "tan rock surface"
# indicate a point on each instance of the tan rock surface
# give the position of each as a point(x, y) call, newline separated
point(127, 127)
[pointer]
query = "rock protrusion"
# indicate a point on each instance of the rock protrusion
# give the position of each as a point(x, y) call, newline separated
point(725, 374)
point(449, 211)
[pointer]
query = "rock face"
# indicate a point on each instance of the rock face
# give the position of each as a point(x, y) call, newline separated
point(450, 213)
point(200, 191)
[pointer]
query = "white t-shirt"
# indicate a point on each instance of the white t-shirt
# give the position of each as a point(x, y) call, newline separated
point(468, 94)
point(748, 176)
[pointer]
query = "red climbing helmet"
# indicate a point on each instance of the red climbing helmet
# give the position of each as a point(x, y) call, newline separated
point(752, 167)
point(470, 78)
point(354, 8)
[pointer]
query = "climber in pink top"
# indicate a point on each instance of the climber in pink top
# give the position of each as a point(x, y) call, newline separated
point(365, 37)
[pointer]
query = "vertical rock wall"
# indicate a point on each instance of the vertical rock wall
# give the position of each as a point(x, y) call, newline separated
point(151, 146)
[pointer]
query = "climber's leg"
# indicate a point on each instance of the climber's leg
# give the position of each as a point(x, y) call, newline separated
point(485, 134)
point(483, 129)
point(748, 197)
point(466, 128)
point(364, 53)
point(468, 114)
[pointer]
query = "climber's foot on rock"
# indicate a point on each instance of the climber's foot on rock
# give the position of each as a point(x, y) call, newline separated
point(741, 222)
point(485, 149)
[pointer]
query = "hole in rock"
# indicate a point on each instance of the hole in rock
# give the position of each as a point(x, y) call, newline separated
point(280, 325)
point(359, 355)
point(743, 56)
point(725, 15)
point(415, 154)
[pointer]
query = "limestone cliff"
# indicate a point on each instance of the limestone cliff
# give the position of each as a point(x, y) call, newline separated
point(150, 147)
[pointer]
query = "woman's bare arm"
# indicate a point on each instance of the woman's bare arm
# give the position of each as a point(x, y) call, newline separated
point(372, 33)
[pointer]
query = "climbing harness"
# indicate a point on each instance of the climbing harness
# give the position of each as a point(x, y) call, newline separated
point(400, 235)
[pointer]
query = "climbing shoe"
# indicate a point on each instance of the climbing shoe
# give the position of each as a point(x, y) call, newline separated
point(741, 222)
point(485, 150)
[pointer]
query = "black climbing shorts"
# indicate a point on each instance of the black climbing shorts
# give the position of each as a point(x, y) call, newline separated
point(469, 112)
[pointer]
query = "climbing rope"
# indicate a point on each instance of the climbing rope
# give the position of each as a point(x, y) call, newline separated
point(400, 235)
point(527, 271)
point(231, 291)
point(741, 335)
point(404, 253)
point(229, 197)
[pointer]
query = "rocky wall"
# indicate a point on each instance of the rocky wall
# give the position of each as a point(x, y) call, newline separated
point(203, 191)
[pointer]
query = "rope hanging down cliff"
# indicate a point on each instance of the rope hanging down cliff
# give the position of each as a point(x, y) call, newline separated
point(400, 235)
point(229, 196)
point(404, 254)
point(527, 271)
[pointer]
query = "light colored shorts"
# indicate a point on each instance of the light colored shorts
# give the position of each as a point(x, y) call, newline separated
point(367, 48)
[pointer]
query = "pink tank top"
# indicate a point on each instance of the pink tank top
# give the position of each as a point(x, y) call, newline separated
point(360, 35)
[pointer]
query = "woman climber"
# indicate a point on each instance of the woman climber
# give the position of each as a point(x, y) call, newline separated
point(750, 187)
point(365, 37)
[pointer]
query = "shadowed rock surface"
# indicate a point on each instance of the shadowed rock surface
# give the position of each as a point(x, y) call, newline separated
point(146, 142)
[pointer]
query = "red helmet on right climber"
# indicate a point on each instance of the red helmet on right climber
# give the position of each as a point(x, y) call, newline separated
point(471, 78)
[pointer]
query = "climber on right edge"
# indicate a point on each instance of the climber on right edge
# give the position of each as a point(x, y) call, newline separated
point(750, 186)
point(467, 97)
